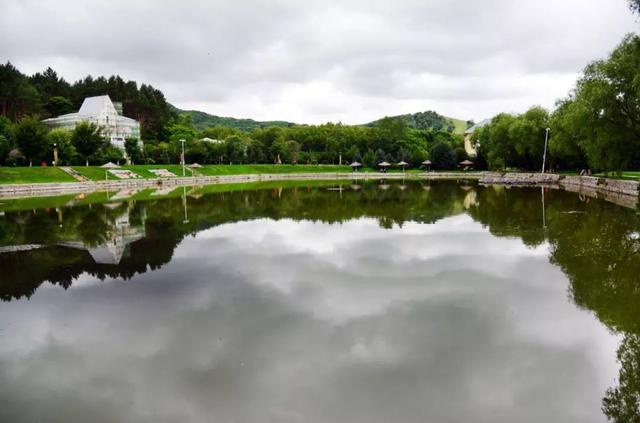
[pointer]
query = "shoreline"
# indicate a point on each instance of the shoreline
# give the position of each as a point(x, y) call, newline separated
point(625, 193)
point(8, 191)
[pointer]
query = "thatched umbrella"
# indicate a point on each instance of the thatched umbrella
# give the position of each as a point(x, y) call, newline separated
point(355, 165)
point(427, 164)
point(383, 166)
point(403, 164)
point(110, 165)
point(195, 166)
point(466, 164)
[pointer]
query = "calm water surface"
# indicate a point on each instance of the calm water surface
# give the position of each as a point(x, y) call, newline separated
point(320, 302)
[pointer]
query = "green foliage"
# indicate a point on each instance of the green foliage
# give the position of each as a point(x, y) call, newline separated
point(58, 105)
point(132, 147)
point(605, 108)
point(31, 138)
point(203, 120)
point(87, 139)
point(429, 120)
point(21, 95)
point(634, 5)
point(18, 97)
point(442, 156)
point(61, 138)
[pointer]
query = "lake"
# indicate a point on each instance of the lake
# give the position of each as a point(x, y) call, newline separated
point(318, 301)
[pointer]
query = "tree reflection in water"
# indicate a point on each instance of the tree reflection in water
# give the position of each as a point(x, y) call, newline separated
point(596, 244)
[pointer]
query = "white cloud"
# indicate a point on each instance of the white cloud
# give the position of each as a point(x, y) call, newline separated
point(317, 61)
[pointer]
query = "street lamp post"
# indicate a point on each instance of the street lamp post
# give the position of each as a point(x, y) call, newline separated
point(544, 155)
point(55, 154)
point(183, 169)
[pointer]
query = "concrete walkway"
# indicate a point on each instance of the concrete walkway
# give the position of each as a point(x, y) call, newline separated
point(58, 188)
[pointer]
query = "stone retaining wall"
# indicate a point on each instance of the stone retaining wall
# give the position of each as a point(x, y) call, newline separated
point(614, 190)
point(50, 189)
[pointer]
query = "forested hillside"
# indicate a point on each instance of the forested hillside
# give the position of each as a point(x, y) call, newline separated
point(431, 120)
point(46, 94)
point(202, 120)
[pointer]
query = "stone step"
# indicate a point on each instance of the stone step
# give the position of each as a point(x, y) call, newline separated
point(73, 173)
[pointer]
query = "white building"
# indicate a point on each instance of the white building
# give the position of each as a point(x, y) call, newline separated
point(469, 147)
point(106, 114)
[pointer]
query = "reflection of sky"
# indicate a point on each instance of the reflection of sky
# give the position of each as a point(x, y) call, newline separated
point(299, 321)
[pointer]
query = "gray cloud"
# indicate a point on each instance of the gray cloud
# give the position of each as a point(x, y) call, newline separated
point(299, 321)
point(317, 61)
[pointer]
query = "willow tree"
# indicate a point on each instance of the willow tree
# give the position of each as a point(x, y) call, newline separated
point(604, 109)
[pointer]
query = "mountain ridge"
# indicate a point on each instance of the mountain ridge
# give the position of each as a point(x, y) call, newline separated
point(420, 120)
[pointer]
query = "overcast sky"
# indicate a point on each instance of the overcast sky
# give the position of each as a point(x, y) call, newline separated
point(318, 61)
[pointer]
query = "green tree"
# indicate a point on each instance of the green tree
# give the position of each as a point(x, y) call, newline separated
point(61, 138)
point(255, 152)
point(236, 148)
point(31, 138)
point(369, 158)
point(443, 156)
point(293, 150)
point(132, 147)
point(605, 108)
point(87, 139)
point(59, 105)
point(277, 151)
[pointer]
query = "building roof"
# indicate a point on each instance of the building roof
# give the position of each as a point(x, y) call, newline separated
point(94, 105)
point(477, 126)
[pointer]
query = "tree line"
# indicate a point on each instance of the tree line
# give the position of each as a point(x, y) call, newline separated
point(596, 126)
point(26, 100)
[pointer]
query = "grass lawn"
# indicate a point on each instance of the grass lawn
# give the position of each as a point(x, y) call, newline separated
point(96, 173)
point(32, 175)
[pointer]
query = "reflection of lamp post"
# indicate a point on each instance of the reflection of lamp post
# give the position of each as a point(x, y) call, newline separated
point(546, 141)
point(184, 204)
point(182, 157)
point(544, 217)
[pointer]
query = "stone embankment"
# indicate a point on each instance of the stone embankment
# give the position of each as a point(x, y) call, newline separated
point(50, 189)
point(614, 190)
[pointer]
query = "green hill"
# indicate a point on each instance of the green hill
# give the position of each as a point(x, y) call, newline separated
point(430, 120)
point(420, 120)
point(203, 120)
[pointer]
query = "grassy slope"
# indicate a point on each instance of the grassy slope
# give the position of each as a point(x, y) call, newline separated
point(460, 125)
point(15, 175)
point(96, 173)
point(30, 175)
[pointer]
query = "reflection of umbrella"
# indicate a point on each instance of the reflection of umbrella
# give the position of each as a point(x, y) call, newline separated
point(195, 165)
point(110, 165)
point(466, 163)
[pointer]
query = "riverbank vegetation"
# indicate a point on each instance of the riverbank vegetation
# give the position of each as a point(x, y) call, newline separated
point(597, 126)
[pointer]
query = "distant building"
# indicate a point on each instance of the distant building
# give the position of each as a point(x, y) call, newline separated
point(105, 113)
point(211, 140)
point(469, 146)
